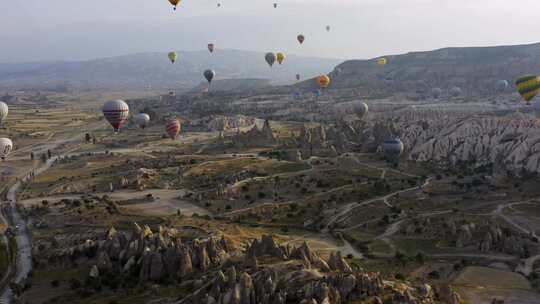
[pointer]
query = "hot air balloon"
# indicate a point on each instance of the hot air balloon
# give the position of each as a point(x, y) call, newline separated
point(528, 87)
point(455, 91)
point(4, 109)
point(280, 57)
point(142, 120)
point(5, 147)
point(297, 76)
point(270, 58)
point(211, 47)
point(382, 61)
point(360, 109)
point(275, 5)
point(173, 56)
point(175, 3)
point(436, 92)
point(502, 85)
point(301, 38)
point(116, 112)
point(219, 5)
point(173, 128)
point(323, 81)
point(209, 75)
point(392, 149)
point(328, 28)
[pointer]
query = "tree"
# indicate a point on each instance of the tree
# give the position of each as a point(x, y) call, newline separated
point(32, 156)
point(49, 154)
point(44, 157)
point(87, 137)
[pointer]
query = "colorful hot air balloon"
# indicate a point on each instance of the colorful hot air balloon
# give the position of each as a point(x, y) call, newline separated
point(301, 38)
point(209, 75)
point(328, 28)
point(270, 58)
point(528, 87)
point(297, 76)
point(280, 57)
point(382, 61)
point(4, 109)
point(360, 109)
point(175, 3)
point(142, 120)
point(173, 128)
point(211, 47)
point(173, 56)
point(116, 112)
point(323, 81)
point(5, 147)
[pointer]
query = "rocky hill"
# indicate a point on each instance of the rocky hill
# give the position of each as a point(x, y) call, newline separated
point(474, 69)
point(153, 70)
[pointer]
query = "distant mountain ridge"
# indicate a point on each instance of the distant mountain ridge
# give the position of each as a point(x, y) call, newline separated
point(475, 70)
point(153, 70)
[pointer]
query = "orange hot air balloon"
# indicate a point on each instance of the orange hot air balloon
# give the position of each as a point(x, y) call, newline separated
point(323, 81)
point(173, 128)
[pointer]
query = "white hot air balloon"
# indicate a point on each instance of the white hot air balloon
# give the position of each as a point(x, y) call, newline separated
point(6, 145)
point(142, 120)
point(3, 112)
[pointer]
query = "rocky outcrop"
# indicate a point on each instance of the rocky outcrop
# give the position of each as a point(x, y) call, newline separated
point(158, 254)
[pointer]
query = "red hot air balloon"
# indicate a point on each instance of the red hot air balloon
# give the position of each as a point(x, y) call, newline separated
point(116, 112)
point(301, 38)
point(173, 128)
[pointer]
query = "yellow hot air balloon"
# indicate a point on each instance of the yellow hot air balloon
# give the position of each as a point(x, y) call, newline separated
point(280, 57)
point(173, 56)
point(528, 87)
point(382, 61)
point(323, 81)
point(175, 3)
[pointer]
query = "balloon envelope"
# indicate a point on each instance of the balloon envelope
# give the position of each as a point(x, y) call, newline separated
point(455, 91)
point(5, 147)
point(211, 47)
point(142, 120)
point(173, 56)
point(502, 85)
point(4, 109)
point(280, 57)
point(116, 112)
point(301, 38)
point(528, 87)
point(209, 75)
point(173, 128)
point(323, 81)
point(175, 3)
point(270, 58)
point(360, 109)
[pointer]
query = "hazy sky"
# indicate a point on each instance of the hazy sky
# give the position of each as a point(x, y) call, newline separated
point(33, 30)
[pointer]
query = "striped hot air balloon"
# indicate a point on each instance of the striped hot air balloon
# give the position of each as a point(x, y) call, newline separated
point(528, 87)
point(173, 128)
point(116, 112)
